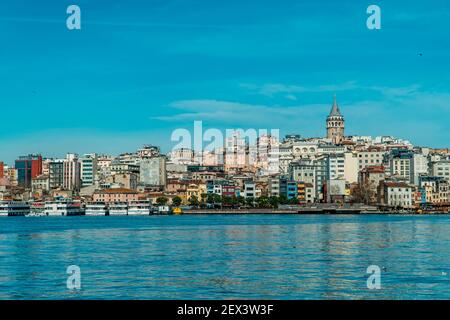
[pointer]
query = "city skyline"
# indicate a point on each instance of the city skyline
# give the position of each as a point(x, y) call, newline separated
point(335, 111)
point(133, 74)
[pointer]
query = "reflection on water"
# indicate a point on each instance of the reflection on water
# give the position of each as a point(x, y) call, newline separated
point(226, 257)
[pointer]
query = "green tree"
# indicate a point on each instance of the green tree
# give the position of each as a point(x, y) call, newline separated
point(176, 201)
point(227, 201)
point(203, 197)
point(263, 202)
point(210, 198)
point(234, 201)
point(283, 199)
point(250, 201)
point(193, 201)
point(274, 202)
point(162, 201)
point(217, 199)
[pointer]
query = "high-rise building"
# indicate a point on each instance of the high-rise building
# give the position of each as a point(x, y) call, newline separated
point(314, 172)
point(153, 171)
point(420, 166)
point(335, 124)
point(72, 170)
point(236, 150)
point(372, 157)
point(28, 167)
point(88, 169)
point(441, 169)
point(2, 167)
point(401, 164)
point(56, 173)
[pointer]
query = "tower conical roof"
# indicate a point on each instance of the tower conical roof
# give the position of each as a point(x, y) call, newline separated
point(335, 112)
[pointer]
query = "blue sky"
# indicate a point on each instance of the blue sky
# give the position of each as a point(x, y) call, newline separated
point(139, 69)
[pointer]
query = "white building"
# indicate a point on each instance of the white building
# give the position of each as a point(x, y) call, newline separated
point(274, 187)
point(71, 172)
point(351, 167)
point(335, 167)
point(398, 194)
point(182, 156)
point(40, 183)
point(88, 169)
point(148, 151)
point(304, 149)
point(441, 169)
point(401, 166)
point(420, 164)
point(249, 189)
point(236, 150)
point(370, 158)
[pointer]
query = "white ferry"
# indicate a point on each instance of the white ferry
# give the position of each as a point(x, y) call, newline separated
point(96, 209)
point(63, 208)
point(37, 209)
point(14, 208)
point(118, 209)
point(139, 208)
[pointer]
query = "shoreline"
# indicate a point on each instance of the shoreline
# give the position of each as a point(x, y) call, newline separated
point(301, 212)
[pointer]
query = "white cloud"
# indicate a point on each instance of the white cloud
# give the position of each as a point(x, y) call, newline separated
point(271, 89)
point(242, 114)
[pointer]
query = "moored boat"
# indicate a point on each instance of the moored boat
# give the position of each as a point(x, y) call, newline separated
point(63, 208)
point(139, 208)
point(14, 208)
point(118, 209)
point(96, 209)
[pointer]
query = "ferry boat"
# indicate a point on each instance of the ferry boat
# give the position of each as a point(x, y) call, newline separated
point(14, 208)
point(37, 209)
point(96, 209)
point(139, 208)
point(63, 208)
point(118, 209)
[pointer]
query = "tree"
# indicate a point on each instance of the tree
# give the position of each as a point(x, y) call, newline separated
point(217, 199)
point(193, 201)
point(250, 201)
point(176, 201)
point(227, 201)
point(234, 201)
point(283, 199)
point(274, 202)
point(263, 202)
point(363, 193)
point(204, 196)
point(162, 201)
point(241, 200)
point(210, 198)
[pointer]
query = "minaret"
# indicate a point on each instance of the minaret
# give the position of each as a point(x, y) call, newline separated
point(335, 124)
